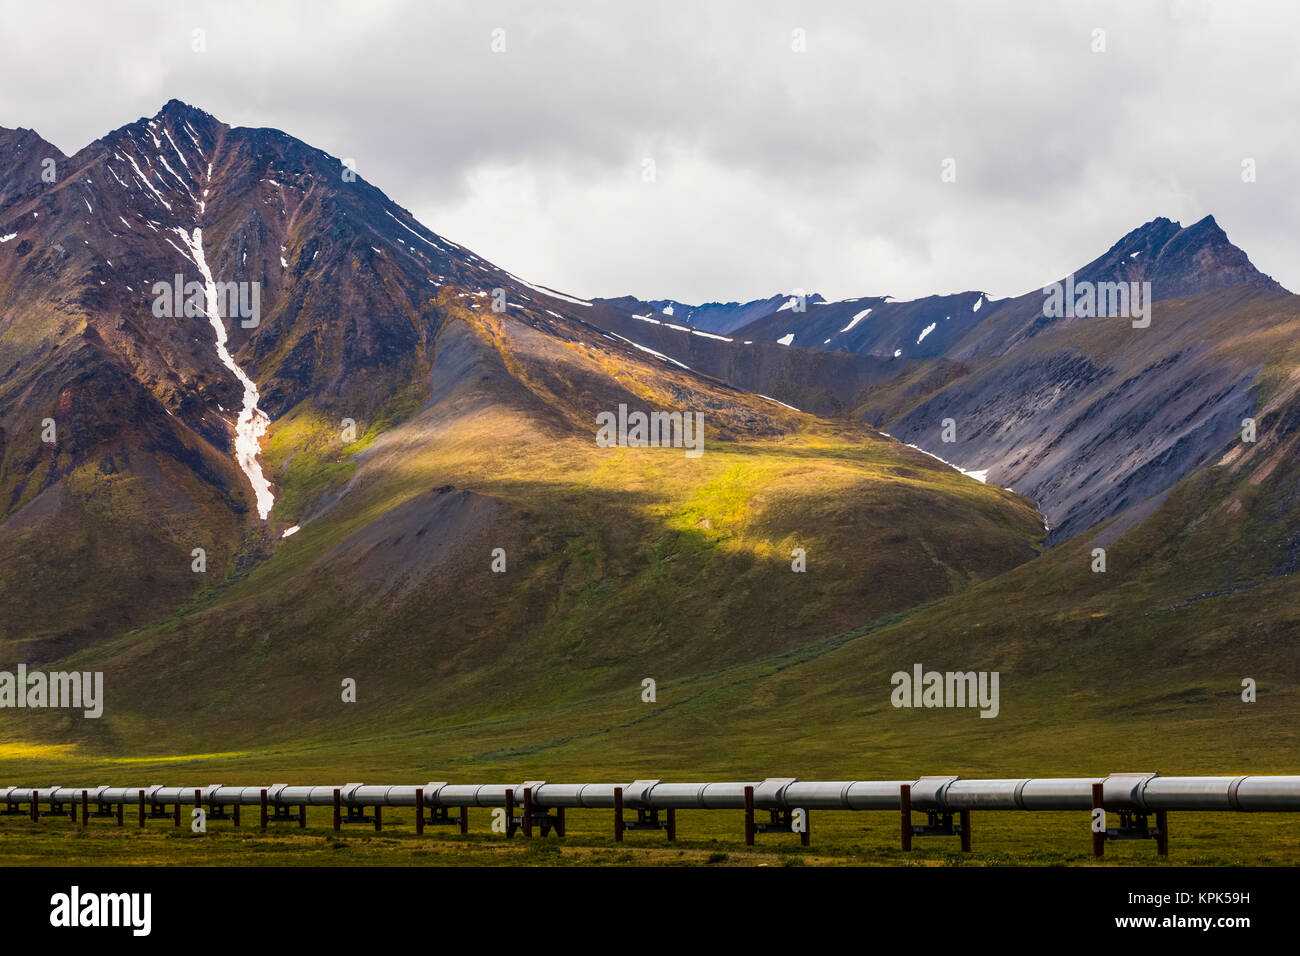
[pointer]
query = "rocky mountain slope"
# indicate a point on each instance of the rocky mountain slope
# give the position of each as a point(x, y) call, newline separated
point(348, 459)
point(1092, 416)
point(717, 317)
point(438, 522)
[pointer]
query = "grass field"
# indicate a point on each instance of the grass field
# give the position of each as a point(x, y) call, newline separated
point(704, 838)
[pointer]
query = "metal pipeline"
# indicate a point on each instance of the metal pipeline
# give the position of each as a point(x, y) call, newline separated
point(1141, 792)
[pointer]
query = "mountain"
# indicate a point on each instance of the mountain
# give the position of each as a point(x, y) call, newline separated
point(1090, 416)
point(437, 521)
point(877, 327)
point(145, 411)
point(811, 380)
point(350, 459)
point(1096, 418)
point(718, 317)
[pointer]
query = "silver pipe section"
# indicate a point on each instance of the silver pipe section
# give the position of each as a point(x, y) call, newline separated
point(1141, 792)
point(590, 796)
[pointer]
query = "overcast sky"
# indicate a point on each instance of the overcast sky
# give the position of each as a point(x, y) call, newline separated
point(773, 167)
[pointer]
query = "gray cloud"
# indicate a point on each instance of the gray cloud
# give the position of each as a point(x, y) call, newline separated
point(775, 168)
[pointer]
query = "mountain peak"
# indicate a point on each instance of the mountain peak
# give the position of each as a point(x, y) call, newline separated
point(1201, 257)
point(1177, 260)
point(179, 108)
point(1207, 230)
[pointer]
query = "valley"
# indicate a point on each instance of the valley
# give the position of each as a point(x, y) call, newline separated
point(394, 482)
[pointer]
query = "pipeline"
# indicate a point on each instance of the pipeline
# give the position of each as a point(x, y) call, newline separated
point(789, 801)
point(1149, 792)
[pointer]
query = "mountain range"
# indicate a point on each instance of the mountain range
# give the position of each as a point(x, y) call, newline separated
point(390, 472)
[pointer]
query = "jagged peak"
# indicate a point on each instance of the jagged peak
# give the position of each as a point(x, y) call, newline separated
point(1207, 227)
point(21, 137)
point(1179, 259)
point(1150, 235)
point(179, 109)
point(173, 115)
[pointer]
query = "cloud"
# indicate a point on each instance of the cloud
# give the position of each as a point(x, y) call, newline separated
point(774, 168)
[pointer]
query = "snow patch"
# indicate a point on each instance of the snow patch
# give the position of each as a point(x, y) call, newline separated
point(413, 232)
point(148, 185)
point(253, 422)
point(551, 292)
point(177, 148)
point(856, 319)
point(978, 475)
point(658, 355)
point(782, 404)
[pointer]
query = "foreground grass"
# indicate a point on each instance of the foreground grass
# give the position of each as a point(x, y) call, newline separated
point(705, 838)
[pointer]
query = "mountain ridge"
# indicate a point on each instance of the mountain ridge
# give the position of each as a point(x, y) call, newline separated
point(371, 327)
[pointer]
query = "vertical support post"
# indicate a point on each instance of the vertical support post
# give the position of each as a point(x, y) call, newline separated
point(965, 831)
point(302, 816)
point(141, 808)
point(379, 818)
point(749, 816)
point(121, 807)
point(235, 813)
point(905, 814)
point(1098, 839)
point(464, 820)
point(1162, 832)
point(806, 837)
point(176, 814)
point(198, 794)
point(559, 822)
point(672, 825)
point(85, 808)
point(618, 814)
point(262, 800)
point(510, 812)
point(338, 817)
point(36, 810)
point(419, 811)
point(528, 812)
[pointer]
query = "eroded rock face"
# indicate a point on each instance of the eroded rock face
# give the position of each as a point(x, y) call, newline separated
point(1087, 443)
point(1091, 416)
point(1179, 262)
point(1087, 414)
